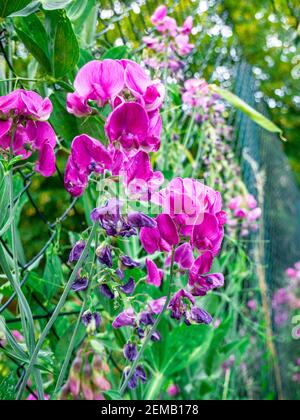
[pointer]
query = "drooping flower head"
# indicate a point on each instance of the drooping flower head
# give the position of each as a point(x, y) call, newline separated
point(24, 130)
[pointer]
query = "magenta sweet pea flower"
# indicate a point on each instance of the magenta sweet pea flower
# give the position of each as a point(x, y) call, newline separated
point(161, 238)
point(156, 306)
point(159, 15)
point(154, 275)
point(97, 81)
point(27, 104)
point(23, 115)
point(125, 319)
point(184, 256)
point(187, 26)
point(208, 236)
point(87, 155)
point(184, 47)
point(200, 282)
point(180, 304)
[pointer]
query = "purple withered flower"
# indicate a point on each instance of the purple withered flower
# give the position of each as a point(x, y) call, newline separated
point(198, 316)
point(129, 287)
point(77, 251)
point(141, 374)
point(180, 304)
point(120, 274)
point(140, 220)
point(125, 319)
point(130, 351)
point(156, 336)
point(106, 292)
point(80, 284)
point(128, 262)
point(146, 318)
point(105, 256)
point(91, 321)
point(140, 333)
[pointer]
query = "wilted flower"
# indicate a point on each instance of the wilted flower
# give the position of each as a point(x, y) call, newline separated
point(106, 291)
point(105, 256)
point(130, 351)
point(77, 251)
point(125, 319)
point(129, 287)
point(91, 321)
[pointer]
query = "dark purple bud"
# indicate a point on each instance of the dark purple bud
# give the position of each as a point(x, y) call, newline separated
point(80, 284)
point(133, 381)
point(77, 251)
point(129, 287)
point(120, 274)
point(146, 319)
point(104, 256)
point(156, 336)
point(128, 262)
point(130, 352)
point(200, 316)
point(140, 220)
point(140, 333)
point(91, 321)
point(106, 292)
point(141, 374)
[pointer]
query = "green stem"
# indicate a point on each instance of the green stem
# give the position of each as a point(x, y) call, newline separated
point(153, 329)
point(56, 313)
point(74, 335)
point(25, 311)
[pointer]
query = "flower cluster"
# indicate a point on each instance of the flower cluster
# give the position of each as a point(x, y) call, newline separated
point(133, 126)
point(172, 42)
point(87, 378)
point(245, 214)
point(24, 129)
point(192, 221)
point(287, 299)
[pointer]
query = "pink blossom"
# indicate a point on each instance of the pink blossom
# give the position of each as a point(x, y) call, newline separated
point(200, 282)
point(187, 26)
point(87, 155)
point(156, 306)
point(154, 275)
point(27, 104)
point(208, 236)
point(291, 273)
point(159, 15)
point(161, 238)
point(23, 123)
point(183, 44)
point(173, 390)
point(252, 304)
point(184, 256)
point(124, 319)
point(97, 81)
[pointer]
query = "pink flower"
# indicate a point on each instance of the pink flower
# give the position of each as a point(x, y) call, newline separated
point(184, 46)
point(32, 397)
point(156, 306)
point(140, 179)
point(129, 125)
point(27, 111)
point(97, 81)
point(155, 275)
point(208, 236)
point(159, 15)
point(124, 319)
point(251, 202)
point(87, 155)
point(161, 238)
point(252, 304)
point(199, 281)
point(173, 390)
point(291, 273)
point(184, 256)
point(187, 26)
point(254, 215)
point(27, 104)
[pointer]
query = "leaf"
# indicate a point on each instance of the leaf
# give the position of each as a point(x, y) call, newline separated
point(34, 36)
point(155, 386)
point(113, 395)
point(8, 7)
point(28, 10)
point(4, 197)
point(53, 274)
point(64, 49)
point(8, 388)
point(64, 342)
point(256, 116)
point(55, 4)
point(64, 123)
point(116, 53)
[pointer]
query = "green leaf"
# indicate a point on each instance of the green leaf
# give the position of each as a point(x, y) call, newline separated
point(64, 342)
point(64, 123)
point(53, 274)
point(4, 197)
point(113, 395)
point(8, 388)
point(64, 49)
point(116, 53)
point(8, 7)
point(34, 36)
point(256, 116)
point(55, 4)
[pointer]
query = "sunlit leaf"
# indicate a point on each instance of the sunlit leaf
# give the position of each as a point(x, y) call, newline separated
point(7, 7)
